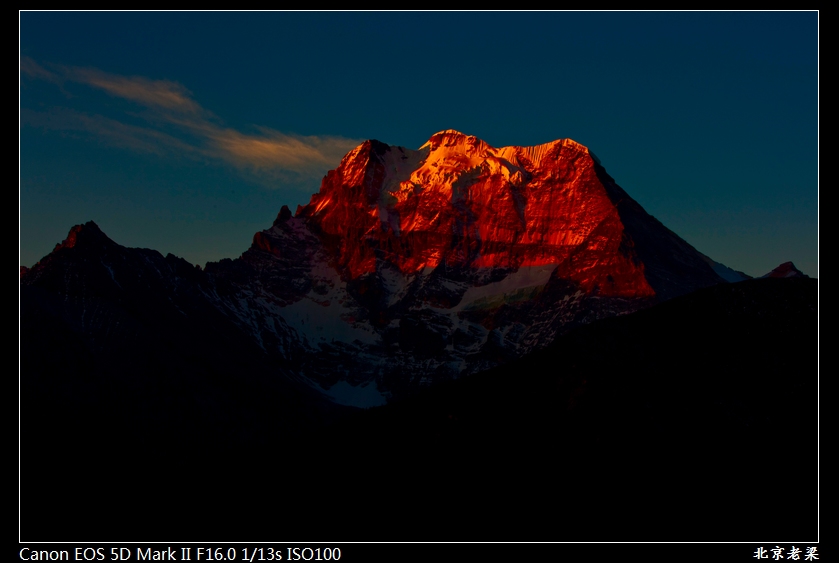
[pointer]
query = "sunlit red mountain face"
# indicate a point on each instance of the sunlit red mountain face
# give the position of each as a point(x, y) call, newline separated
point(460, 201)
point(415, 266)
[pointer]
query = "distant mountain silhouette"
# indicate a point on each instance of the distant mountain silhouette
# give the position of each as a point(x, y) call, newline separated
point(786, 270)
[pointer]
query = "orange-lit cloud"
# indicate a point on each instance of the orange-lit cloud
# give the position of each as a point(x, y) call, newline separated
point(272, 148)
point(151, 93)
point(170, 108)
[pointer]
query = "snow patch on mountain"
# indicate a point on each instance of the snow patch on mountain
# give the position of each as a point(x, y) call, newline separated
point(324, 318)
point(526, 277)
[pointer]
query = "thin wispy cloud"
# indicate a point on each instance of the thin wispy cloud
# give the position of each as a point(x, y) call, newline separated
point(163, 94)
point(272, 148)
point(32, 69)
point(175, 123)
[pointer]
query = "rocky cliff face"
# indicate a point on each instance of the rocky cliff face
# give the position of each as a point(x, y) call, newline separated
point(457, 201)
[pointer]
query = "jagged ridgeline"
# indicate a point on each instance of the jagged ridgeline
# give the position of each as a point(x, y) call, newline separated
point(411, 267)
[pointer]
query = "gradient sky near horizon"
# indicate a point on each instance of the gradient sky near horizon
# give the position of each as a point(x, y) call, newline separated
point(186, 132)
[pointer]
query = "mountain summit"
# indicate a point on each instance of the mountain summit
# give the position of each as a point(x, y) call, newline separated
point(786, 270)
point(414, 266)
point(460, 202)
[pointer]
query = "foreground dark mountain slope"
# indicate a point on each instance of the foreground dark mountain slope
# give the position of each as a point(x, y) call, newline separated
point(683, 422)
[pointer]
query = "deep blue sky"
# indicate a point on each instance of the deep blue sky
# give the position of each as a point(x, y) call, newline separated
point(186, 132)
